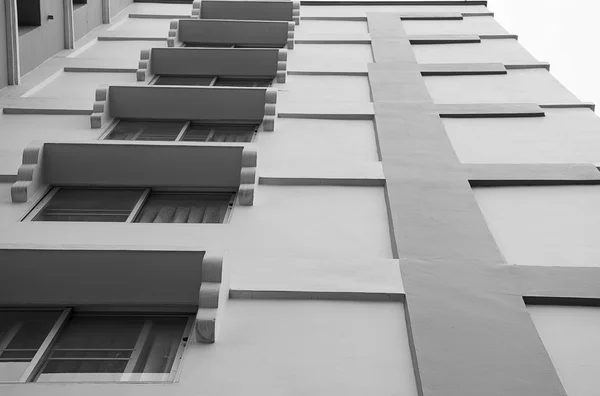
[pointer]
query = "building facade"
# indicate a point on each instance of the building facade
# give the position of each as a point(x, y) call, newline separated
point(291, 198)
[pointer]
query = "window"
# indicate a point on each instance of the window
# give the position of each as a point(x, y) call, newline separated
point(29, 15)
point(132, 205)
point(242, 82)
point(79, 3)
point(55, 346)
point(184, 80)
point(182, 131)
point(256, 82)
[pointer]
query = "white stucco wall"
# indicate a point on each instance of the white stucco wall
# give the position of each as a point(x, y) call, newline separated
point(141, 27)
point(468, 25)
point(517, 86)
point(327, 57)
point(332, 27)
point(117, 53)
point(69, 88)
point(285, 221)
point(546, 226)
point(508, 51)
point(361, 10)
point(158, 8)
point(301, 88)
point(570, 335)
point(274, 348)
point(309, 142)
point(17, 131)
point(563, 135)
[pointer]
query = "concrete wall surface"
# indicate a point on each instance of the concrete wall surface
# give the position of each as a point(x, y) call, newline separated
point(17, 132)
point(87, 17)
point(116, 6)
point(361, 10)
point(321, 348)
point(306, 142)
point(468, 25)
point(570, 335)
point(141, 27)
point(39, 44)
point(77, 88)
point(332, 27)
point(507, 51)
point(351, 222)
point(116, 53)
point(324, 89)
point(325, 57)
point(3, 49)
point(562, 136)
point(546, 226)
point(517, 86)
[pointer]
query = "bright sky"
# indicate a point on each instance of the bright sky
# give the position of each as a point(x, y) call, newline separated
point(562, 32)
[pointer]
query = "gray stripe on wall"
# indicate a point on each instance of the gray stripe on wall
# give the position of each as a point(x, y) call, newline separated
point(469, 329)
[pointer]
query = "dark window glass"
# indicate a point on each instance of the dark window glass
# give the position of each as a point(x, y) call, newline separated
point(184, 80)
point(185, 208)
point(99, 205)
point(146, 130)
point(219, 133)
point(243, 82)
point(114, 348)
point(21, 334)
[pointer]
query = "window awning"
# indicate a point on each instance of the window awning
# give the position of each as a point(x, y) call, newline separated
point(271, 10)
point(137, 164)
point(259, 33)
point(237, 62)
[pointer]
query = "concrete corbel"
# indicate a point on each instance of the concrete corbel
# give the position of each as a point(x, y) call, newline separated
point(291, 34)
point(101, 112)
point(173, 37)
point(281, 65)
point(144, 71)
point(196, 9)
point(296, 12)
point(268, 123)
point(213, 296)
point(247, 177)
point(29, 176)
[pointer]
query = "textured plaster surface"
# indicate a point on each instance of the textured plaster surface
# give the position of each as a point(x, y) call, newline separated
point(559, 223)
point(468, 25)
point(134, 27)
point(517, 86)
point(17, 131)
point(87, 17)
point(323, 89)
point(460, 294)
point(507, 51)
point(570, 335)
point(326, 57)
point(333, 342)
point(122, 53)
point(305, 142)
point(3, 50)
point(307, 28)
point(356, 216)
point(361, 10)
point(563, 135)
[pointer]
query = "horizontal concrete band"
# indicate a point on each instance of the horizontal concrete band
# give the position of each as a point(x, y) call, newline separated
point(394, 2)
point(466, 319)
point(488, 175)
point(560, 285)
point(313, 295)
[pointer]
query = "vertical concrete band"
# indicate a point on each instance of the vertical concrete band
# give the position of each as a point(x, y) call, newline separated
point(470, 332)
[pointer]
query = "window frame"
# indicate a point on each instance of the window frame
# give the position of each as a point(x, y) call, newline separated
point(215, 79)
point(36, 363)
point(145, 193)
point(179, 138)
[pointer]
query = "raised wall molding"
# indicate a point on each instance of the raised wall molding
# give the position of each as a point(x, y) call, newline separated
point(12, 42)
point(247, 177)
point(29, 175)
point(100, 113)
point(213, 295)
